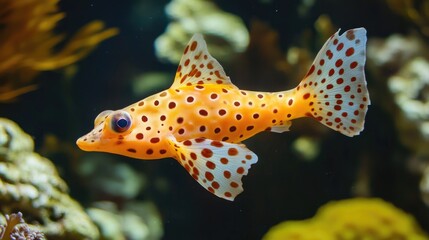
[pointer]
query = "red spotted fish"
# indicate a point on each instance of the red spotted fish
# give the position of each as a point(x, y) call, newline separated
point(203, 117)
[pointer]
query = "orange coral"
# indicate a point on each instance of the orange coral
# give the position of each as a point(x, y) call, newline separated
point(27, 43)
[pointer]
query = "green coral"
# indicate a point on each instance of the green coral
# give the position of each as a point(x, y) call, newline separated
point(359, 218)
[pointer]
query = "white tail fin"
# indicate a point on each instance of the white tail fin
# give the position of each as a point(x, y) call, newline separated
point(335, 85)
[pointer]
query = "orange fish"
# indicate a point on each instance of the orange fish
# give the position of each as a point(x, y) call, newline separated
point(202, 118)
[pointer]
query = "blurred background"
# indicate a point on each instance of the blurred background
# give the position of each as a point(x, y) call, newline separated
point(62, 62)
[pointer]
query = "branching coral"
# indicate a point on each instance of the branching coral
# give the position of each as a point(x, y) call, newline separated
point(28, 44)
point(352, 219)
point(15, 228)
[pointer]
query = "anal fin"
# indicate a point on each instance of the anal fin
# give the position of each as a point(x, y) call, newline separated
point(217, 166)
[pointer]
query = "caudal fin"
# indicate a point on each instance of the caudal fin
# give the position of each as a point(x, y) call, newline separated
point(335, 85)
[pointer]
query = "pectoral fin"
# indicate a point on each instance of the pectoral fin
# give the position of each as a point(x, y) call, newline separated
point(217, 166)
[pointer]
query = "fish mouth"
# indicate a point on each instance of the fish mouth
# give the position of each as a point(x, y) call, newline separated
point(90, 141)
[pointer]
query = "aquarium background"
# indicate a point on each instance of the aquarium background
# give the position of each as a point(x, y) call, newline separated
point(298, 171)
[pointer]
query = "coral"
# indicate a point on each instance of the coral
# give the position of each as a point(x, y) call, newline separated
point(225, 33)
point(105, 175)
point(358, 218)
point(135, 220)
point(30, 183)
point(15, 228)
point(28, 44)
point(410, 89)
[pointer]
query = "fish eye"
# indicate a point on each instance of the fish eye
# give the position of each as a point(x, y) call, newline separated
point(120, 122)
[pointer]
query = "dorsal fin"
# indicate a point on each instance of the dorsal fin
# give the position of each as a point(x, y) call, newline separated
point(197, 66)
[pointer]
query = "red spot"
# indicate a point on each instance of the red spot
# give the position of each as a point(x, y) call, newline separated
point(209, 176)
point(190, 99)
point(350, 34)
point(193, 156)
point(193, 46)
point(216, 144)
point(335, 41)
point(232, 151)
point(154, 140)
point(210, 189)
point(353, 65)
point(224, 160)
point(338, 63)
point(144, 118)
point(310, 71)
point(329, 54)
point(290, 102)
point(179, 120)
point(340, 46)
point(248, 157)
point(206, 153)
point(338, 95)
point(260, 96)
point(187, 143)
point(222, 112)
point(337, 107)
point(331, 72)
point(319, 72)
point(337, 120)
point(139, 136)
point(322, 61)
point(187, 62)
point(227, 174)
point(215, 185)
point(240, 170)
point(323, 80)
point(306, 96)
point(347, 88)
point(353, 79)
point(149, 151)
point(340, 81)
point(350, 52)
point(203, 112)
point(213, 96)
point(329, 86)
point(341, 71)
point(234, 185)
point(200, 140)
point(210, 165)
point(344, 114)
point(329, 114)
point(228, 194)
point(186, 49)
point(210, 66)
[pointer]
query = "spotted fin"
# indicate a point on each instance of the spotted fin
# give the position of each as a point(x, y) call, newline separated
point(197, 66)
point(335, 85)
point(217, 166)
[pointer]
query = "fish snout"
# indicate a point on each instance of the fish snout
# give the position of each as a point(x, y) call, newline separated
point(90, 141)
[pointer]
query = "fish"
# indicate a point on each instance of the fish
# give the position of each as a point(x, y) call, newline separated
point(203, 118)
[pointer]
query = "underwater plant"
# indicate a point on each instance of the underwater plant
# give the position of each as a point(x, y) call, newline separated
point(28, 44)
point(15, 228)
point(358, 218)
point(416, 11)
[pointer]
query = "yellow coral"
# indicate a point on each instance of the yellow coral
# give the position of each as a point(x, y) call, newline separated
point(360, 218)
point(27, 43)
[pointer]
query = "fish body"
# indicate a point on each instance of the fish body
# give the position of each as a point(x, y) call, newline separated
point(202, 118)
